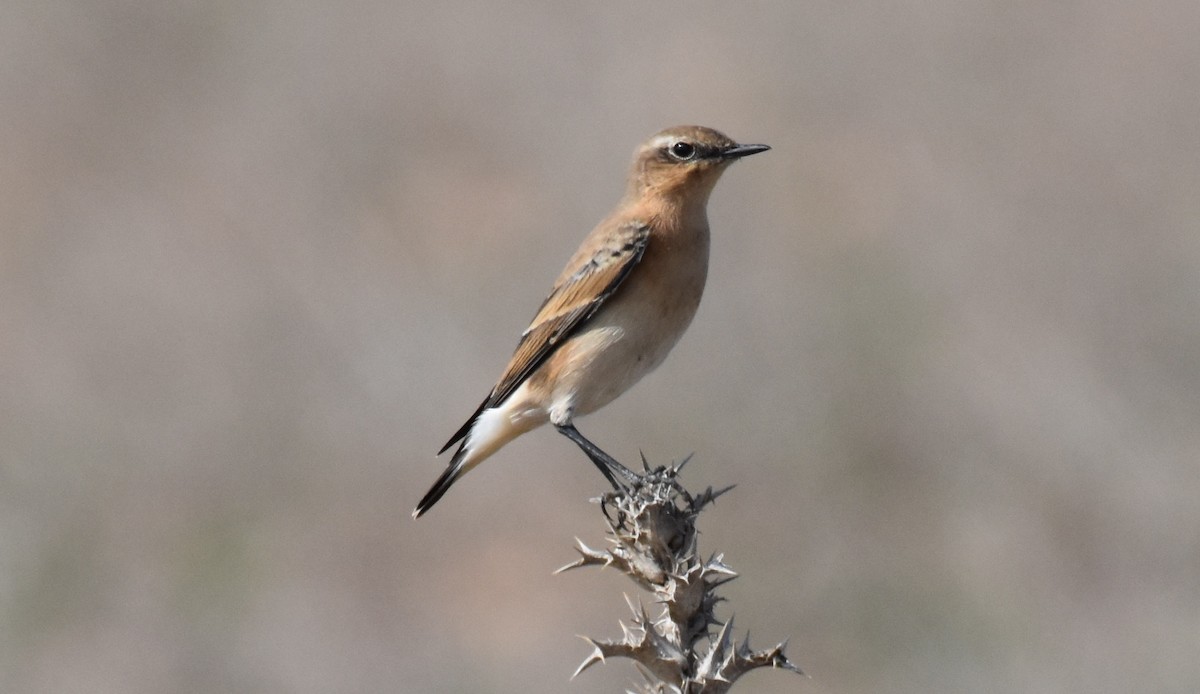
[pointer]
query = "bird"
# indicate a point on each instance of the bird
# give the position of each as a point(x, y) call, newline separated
point(618, 307)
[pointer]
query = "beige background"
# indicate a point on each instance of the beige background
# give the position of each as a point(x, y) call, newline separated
point(258, 260)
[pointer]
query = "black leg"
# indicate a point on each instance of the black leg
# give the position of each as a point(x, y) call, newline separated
point(605, 462)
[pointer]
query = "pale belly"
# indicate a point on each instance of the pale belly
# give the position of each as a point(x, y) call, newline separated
point(621, 344)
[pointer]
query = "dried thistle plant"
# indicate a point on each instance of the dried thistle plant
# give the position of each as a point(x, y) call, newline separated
point(652, 530)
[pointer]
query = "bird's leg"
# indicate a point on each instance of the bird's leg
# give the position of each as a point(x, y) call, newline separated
point(605, 462)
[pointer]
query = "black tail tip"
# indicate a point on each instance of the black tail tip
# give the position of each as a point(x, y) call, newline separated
point(428, 501)
point(440, 487)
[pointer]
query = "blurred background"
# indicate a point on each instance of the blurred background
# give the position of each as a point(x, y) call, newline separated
point(259, 260)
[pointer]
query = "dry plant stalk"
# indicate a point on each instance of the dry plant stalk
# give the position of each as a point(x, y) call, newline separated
point(652, 530)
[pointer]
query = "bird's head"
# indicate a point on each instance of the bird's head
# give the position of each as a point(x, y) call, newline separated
point(684, 162)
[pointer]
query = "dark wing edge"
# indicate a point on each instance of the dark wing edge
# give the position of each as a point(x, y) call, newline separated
point(543, 337)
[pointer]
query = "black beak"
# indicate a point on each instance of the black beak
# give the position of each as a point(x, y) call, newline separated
point(738, 151)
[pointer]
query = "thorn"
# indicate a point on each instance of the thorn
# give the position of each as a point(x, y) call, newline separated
point(587, 557)
point(726, 637)
point(720, 582)
point(782, 660)
point(597, 656)
point(713, 496)
point(710, 665)
point(635, 609)
point(645, 616)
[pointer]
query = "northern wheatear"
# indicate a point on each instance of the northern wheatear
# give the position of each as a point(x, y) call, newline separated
point(619, 306)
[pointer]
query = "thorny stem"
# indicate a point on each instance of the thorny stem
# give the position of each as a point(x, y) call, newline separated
point(651, 527)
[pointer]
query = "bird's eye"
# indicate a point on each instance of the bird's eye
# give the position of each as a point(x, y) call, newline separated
point(683, 150)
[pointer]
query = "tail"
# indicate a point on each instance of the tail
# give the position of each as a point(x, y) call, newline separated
point(487, 432)
point(448, 477)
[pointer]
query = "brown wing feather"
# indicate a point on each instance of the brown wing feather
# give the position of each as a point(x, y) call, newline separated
point(588, 280)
